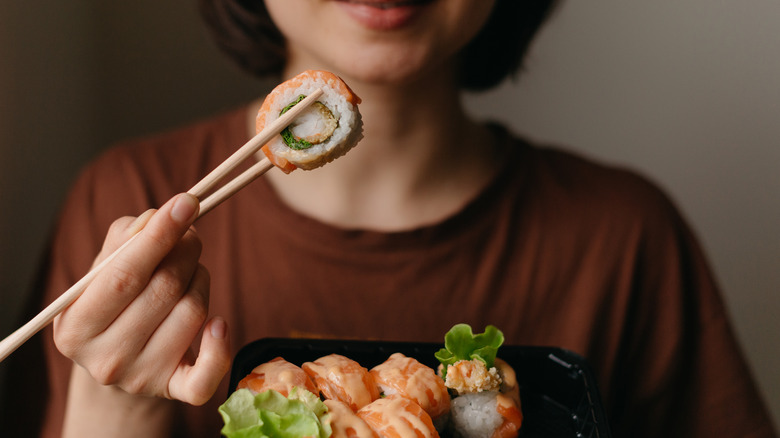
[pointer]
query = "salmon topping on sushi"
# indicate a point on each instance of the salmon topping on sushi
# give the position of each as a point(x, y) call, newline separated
point(409, 378)
point(344, 423)
point(398, 417)
point(279, 375)
point(340, 378)
point(512, 417)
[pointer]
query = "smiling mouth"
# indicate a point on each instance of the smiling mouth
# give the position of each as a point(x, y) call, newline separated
point(388, 4)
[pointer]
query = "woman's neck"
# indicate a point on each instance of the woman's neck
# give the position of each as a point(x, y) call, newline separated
point(421, 159)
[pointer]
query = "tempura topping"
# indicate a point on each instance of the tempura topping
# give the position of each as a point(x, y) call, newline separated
point(467, 376)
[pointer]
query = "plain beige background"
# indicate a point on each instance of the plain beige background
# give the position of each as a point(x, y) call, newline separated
point(686, 92)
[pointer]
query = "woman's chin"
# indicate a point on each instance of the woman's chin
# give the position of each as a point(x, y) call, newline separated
point(385, 69)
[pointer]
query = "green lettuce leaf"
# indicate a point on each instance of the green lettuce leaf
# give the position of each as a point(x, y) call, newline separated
point(461, 344)
point(270, 414)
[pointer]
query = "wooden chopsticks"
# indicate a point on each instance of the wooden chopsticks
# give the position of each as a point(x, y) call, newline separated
point(199, 190)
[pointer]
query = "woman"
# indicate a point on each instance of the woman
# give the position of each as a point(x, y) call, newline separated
point(433, 219)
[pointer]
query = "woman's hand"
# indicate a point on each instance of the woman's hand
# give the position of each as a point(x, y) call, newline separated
point(133, 327)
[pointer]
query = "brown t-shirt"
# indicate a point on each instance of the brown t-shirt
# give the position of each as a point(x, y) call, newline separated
point(557, 251)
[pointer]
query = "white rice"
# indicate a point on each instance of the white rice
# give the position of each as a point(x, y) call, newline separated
point(346, 135)
point(474, 415)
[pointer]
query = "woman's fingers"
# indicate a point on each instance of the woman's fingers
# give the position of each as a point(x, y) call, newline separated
point(135, 324)
point(175, 335)
point(120, 231)
point(190, 379)
point(177, 274)
point(122, 280)
point(196, 382)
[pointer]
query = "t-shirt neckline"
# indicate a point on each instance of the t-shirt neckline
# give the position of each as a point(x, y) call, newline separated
point(316, 232)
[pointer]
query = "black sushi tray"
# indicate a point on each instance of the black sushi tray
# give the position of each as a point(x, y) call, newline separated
point(558, 391)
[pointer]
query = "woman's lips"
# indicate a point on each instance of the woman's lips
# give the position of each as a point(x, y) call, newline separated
point(383, 15)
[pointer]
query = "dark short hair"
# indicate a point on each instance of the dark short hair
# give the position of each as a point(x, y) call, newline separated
point(243, 29)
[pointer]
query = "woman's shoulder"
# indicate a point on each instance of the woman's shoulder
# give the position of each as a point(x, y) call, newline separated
point(169, 161)
point(140, 173)
point(580, 175)
point(581, 189)
point(198, 143)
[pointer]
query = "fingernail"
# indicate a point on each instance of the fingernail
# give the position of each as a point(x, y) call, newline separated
point(218, 328)
point(184, 209)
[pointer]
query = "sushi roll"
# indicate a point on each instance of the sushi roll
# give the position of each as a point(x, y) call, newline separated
point(340, 378)
point(409, 378)
point(323, 132)
point(489, 414)
point(398, 417)
point(344, 423)
point(279, 375)
point(486, 397)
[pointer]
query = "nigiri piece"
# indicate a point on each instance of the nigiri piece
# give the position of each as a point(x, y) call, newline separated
point(277, 374)
point(341, 378)
point(345, 423)
point(398, 417)
point(409, 378)
point(323, 132)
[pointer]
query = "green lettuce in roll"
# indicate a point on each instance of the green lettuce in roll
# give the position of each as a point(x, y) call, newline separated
point(460, 343)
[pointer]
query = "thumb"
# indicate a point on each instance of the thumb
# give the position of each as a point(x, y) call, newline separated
point(160, 232)
point(183, 208)
point(196, 384)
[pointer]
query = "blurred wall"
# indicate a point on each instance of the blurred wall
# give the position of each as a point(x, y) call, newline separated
point(75, 76)
point(47, 109)
point(688, 93)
